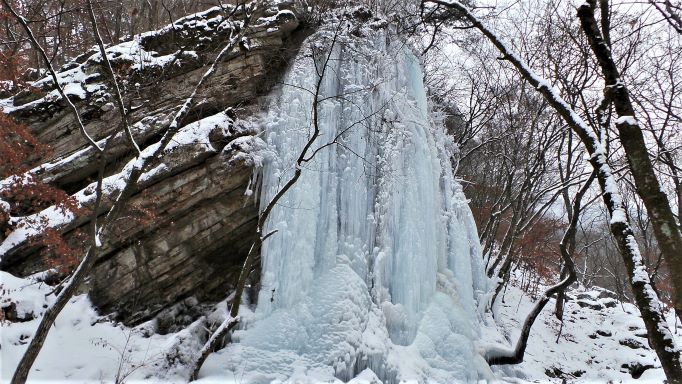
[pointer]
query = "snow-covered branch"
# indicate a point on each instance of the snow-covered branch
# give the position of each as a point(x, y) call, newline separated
point(646, 298)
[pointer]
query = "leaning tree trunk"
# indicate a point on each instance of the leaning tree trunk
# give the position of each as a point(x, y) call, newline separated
point(630, 134)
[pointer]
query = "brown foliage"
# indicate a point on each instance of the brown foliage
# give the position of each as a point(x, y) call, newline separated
point(538, 247)
point(23, 195)
point(18, 147)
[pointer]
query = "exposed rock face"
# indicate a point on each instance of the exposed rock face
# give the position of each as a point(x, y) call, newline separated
point(190, 223)
point(203, 227)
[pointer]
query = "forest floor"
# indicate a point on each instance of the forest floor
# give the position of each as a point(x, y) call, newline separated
point(601, 340)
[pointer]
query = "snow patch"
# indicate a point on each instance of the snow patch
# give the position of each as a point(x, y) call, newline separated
point(627, 120)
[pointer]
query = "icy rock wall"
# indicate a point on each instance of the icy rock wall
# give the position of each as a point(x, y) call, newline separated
point(375, 263)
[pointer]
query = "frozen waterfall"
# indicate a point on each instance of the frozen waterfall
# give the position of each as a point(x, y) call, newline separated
point(376, 262)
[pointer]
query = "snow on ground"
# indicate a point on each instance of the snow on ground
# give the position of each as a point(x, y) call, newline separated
point(86, 347)
point(594, 346)
point(602, 340)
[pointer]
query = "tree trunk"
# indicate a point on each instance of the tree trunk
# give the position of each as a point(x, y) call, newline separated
point(560, 299)
point(630, 134)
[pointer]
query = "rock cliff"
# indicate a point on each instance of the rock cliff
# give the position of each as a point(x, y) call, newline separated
point(190, 223)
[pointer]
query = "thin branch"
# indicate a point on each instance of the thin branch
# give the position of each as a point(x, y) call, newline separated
point(110, 71)
point(55, 79)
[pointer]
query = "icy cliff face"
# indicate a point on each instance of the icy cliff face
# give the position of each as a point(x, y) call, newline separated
point(375, 263)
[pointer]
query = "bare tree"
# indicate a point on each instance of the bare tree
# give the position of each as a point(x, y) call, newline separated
point(112, 78)
point(510, 155)
point(645, 297)
point(100, 228)
point(306, 155)
point(567, 248)
point(671, 12)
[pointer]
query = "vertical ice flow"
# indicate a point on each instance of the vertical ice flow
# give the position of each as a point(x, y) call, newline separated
point(376, 261)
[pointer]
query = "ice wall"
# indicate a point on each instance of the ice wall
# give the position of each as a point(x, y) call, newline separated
point(375, 263)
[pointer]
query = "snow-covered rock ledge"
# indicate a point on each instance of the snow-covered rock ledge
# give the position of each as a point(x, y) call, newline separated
point(156, 79)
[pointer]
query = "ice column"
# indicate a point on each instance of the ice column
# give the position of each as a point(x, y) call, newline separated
point(376, 254)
